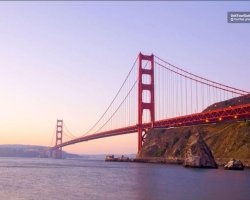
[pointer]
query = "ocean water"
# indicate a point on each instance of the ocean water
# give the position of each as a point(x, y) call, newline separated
point(50, 179)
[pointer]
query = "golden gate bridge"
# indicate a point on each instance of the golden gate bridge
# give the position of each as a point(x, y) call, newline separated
point(157, 94)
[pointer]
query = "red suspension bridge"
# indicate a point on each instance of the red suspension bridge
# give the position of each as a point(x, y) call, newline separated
point(156, 93)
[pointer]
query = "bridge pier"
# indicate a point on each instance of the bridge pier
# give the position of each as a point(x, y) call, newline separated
point(57, 154)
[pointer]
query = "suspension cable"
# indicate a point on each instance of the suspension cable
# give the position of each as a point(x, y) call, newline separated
point(232, 88)
point(113, 98)
point(228, 90)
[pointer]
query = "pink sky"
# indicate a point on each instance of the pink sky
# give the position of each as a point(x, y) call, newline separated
point(68, 59)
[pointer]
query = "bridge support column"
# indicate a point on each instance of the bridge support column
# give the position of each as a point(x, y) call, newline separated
point(59, 136)
point(149, 71)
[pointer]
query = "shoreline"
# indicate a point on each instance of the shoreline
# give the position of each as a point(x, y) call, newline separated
point(173, 161)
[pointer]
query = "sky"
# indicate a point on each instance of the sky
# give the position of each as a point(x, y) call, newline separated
point(66, 60)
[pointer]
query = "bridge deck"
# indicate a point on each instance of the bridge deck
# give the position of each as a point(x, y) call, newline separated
point(225, 114)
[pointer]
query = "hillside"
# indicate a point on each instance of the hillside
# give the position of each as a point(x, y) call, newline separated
point(231, 102)
point(226, 140)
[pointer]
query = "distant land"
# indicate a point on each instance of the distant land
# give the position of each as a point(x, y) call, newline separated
point(29, 151)
point(34, 151)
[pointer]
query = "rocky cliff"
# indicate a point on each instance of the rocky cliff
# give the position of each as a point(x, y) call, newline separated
point(198, 154)
point(225, 140)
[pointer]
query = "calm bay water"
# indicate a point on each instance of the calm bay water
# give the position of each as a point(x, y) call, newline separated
point(49, 179)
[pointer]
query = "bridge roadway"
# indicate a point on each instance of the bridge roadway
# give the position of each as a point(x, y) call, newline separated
point(240, 112)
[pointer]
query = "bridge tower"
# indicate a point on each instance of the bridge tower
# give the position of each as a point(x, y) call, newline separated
point(142, 105)
point(59, 136)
